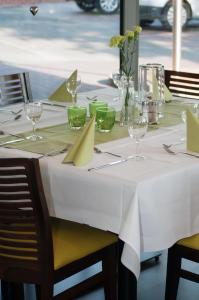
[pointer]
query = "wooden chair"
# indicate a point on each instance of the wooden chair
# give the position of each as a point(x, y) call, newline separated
point(182, 84)
point(187, 248)
point(15, 88)
point(35, 248)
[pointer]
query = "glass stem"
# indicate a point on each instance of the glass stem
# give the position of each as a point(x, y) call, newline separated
point(33, 128)
point(137, 147)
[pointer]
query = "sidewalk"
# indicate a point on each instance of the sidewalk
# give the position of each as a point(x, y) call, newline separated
point(35, 2)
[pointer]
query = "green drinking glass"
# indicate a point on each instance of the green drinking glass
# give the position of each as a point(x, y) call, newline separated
point(76, 117)
point(94, 105)
point(105, 118)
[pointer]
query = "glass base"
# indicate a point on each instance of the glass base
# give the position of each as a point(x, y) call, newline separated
point(34, 137)
point(138, 157)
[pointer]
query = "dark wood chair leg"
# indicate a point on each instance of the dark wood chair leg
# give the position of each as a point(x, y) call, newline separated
point(127, 282)
point(44, 292)
point(4, 290)
point(173, 274)
point(109, 267)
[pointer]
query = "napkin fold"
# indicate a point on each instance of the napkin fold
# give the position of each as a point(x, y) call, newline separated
point(168, 97)
point(192, 132)
point(82, 151)
point(61, 94)
point(167, 94)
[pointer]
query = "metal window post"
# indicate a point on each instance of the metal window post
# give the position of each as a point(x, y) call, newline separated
point(177, 34)
point(129, 17)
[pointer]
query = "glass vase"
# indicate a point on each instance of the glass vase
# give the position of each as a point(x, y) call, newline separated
point(127, 95)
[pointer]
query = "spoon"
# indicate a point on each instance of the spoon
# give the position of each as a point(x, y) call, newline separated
point(97, 150)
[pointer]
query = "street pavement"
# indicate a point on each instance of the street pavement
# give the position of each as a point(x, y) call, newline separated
point(61, 38)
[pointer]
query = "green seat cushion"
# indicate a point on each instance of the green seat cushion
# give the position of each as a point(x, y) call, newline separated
point(190, 242)
point(73, 241)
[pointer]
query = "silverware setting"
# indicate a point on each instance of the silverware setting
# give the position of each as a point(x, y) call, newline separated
point(53, 104)
point(97, 150)
point(11, 111)
point(55, 152)
point(12, 141)
point(168, 150)
point(17, 117)
point(111, 163)
point(3, 132)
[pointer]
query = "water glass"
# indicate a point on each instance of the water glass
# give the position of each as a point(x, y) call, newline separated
point(105, 118)
point(33, 111)
point(151, 88)
point(137, 128)
point(94, 105)
point(76, 117)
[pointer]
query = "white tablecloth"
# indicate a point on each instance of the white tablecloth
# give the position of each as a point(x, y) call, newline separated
point(150, 203)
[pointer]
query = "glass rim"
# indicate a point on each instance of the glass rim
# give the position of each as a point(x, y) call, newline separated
point(151, 65)
point(106, 109)
point(79, 107)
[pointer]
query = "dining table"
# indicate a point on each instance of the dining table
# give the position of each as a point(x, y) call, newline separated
point(150, 204)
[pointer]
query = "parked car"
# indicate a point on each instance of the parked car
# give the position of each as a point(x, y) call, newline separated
point(149, 10)
point(163, 10)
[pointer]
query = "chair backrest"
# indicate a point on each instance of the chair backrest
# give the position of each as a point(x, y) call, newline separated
point(26, 251)
point(15, 88)
point(183, 84)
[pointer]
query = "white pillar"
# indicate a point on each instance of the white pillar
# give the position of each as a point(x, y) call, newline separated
point(177, 33)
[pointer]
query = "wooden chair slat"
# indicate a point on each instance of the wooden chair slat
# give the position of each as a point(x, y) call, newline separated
point(15, 180)
point(14, 188)
point(14, 204)
point(14, 196)
point(19, 252)
point(15, 219)
point(18, 227)
point(12, 171)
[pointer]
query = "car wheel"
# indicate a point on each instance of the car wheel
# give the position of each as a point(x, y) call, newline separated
point(167, 15)
point(146, 22)
point(107, 6)
point(86, 5)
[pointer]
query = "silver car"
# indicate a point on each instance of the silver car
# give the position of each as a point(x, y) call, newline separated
point(163, 10)
point(149, 10)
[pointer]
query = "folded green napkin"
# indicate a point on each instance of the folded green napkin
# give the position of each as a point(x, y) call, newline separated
point(82, 151)
point(155, 95)
point(192, 132)
point(167, 94)
point(168, 97)
point(61, 94)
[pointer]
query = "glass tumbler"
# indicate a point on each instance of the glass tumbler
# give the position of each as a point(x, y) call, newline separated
point(76, 117)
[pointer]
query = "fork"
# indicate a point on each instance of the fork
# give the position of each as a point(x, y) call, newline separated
point(168, 150)
point(11, 111)
point(11, 119)
point(97, 150)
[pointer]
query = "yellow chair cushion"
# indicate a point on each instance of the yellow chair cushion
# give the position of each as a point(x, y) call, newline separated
point(72, 241)
point(190, 242)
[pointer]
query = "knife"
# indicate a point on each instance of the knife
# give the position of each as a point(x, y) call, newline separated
point(112, 163)
point(54, 104)
point(10, 142)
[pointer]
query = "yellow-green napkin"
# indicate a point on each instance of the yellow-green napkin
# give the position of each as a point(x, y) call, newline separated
point(192, 132)
point(61, 94)
point(155, 95)
point(168, 97)
point(82, 151)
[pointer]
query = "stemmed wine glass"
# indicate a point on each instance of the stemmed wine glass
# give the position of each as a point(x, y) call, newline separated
point(33, 111)
point(183, 118)
point(119, 81)
point(72, 87)
point(137, 128)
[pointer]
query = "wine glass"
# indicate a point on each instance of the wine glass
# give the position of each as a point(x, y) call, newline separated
point(137, 128)
point(33, 111)
point(119, 81)
point(72, 87)
point(183, 115)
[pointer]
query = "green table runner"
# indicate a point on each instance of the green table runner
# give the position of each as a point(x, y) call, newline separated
point(56, 137)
